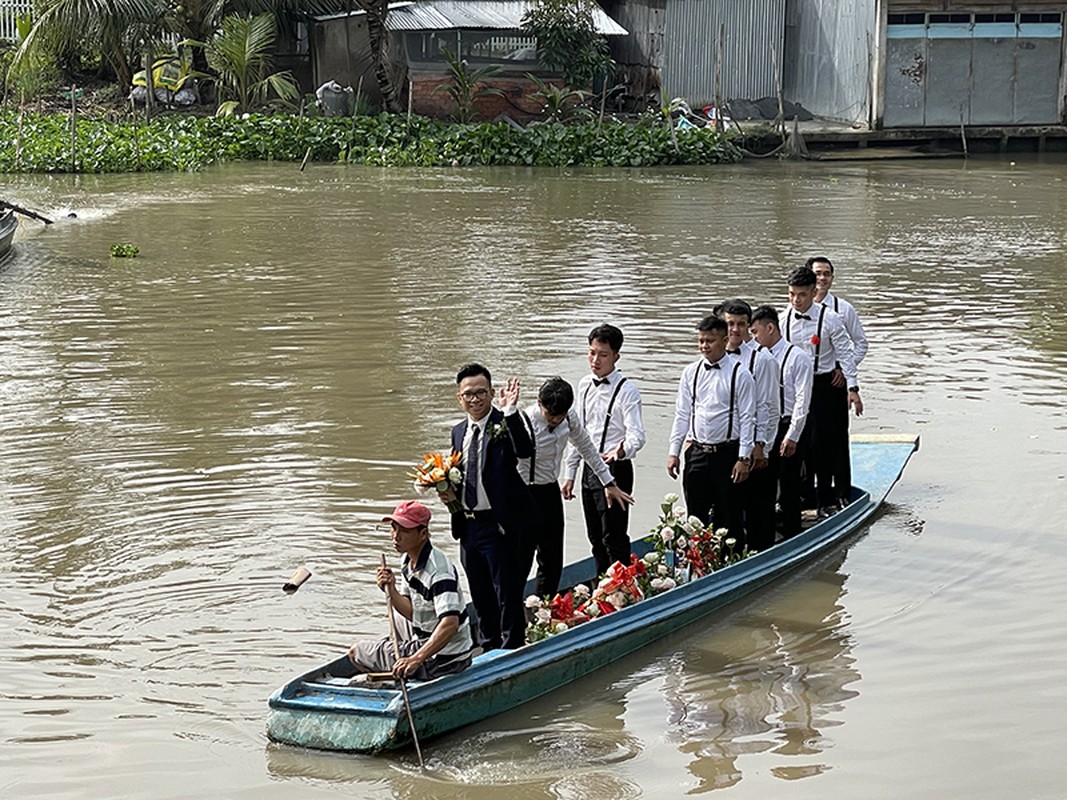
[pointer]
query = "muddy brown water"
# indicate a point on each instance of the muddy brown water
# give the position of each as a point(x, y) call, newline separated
point(179, 431)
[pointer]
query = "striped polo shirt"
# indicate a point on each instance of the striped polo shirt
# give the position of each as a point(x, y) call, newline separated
point(433, 586)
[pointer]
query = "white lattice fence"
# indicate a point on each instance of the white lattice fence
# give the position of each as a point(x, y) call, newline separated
point(9, 12)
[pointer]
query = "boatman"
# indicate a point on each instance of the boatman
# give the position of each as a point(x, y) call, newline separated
point(792, 438)
point(438, 639)
point(554, 424)
point(821, 332)
point(609, 406)
point(715, 411)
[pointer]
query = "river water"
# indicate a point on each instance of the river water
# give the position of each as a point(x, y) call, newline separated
point(179, 431)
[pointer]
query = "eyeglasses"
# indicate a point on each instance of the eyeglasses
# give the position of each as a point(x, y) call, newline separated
point(477, 394)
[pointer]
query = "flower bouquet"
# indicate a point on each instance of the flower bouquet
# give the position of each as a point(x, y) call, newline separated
point(440, 472)
point(620, 587)
point(692, 548)
point(555, 615)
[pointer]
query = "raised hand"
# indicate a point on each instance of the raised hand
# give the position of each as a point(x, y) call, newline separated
point(509, 395)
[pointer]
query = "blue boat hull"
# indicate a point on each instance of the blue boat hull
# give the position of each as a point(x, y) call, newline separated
point(319, 710)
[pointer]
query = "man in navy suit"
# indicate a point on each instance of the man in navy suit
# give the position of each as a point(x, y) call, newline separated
point(498, 508)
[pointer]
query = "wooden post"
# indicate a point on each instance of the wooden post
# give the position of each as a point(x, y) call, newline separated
point(718, 78)
point(778, 91)
point(136, 138)
point(411, 98)
point(73, 128)
point(150, 94)
point(18, 142)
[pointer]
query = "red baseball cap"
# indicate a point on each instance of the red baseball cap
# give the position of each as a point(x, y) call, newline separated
point(409, 514)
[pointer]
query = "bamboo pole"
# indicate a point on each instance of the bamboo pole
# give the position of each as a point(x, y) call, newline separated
point(403, 683)
point(73, 128)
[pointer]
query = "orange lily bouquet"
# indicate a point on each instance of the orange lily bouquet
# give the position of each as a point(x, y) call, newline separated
point(440, 472)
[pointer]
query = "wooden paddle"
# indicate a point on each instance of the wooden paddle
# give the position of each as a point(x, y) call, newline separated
point(403, 683)
point(25, 212)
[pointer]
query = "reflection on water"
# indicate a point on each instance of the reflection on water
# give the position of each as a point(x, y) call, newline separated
point(180, 430)
point(776, 685)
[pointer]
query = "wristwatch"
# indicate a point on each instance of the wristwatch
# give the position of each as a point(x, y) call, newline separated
point(746, 460)
point(855, 389)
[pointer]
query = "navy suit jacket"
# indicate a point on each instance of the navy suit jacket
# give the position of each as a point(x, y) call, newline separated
point(509, 497)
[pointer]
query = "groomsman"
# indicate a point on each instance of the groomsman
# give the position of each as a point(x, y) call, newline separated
point(609, 406)
point(715, 411)
point(554, 424)
point(824, 279)
point(759, 491)
point(821, 332)
point(498, 511)
point(790, 444)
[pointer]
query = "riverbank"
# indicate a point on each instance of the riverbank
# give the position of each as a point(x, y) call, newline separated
point(49, 143)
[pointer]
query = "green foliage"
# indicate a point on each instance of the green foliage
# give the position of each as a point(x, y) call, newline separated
point(560, 103)
point(465, 85)
point(124, 250)
point(567, 40)
point(241, 54)
point(186, 143)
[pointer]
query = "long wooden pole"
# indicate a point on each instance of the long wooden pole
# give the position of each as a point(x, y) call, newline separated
point(403, 683)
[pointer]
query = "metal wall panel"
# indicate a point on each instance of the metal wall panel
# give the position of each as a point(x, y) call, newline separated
point(1037, 73)
point(974, 71)
point(992, 65)
point(691, 34)
point(948, 83)
point(905, 76)
point(829, 56)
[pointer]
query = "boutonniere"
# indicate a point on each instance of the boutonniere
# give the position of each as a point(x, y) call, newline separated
point(815, 340)
point(496, 430)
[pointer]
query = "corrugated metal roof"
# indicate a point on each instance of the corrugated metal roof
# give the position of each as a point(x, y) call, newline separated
point(439, 15)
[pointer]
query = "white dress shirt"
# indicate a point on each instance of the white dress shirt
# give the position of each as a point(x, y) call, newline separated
point(852, 324)
point(550, 444)
point(833, 347)
point(626, 425)
point(702, 409)
point(796, 369)
point(764, 369)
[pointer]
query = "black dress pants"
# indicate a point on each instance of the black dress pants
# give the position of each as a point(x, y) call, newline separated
point(710, 493)
point(829, 454)
point(547, 543)
point(607, 528)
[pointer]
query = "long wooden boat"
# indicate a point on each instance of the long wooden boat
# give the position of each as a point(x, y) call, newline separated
point(8, 225)
point(321, 710)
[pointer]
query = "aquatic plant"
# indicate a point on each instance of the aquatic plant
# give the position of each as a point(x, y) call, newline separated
point(43, 142)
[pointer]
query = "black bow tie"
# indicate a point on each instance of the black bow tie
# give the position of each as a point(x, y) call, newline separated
point(708, 365)
point(734, 352)
point(803, 316)
point(599, 381)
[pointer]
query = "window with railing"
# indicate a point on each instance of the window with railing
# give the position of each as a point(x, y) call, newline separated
point(481, 47)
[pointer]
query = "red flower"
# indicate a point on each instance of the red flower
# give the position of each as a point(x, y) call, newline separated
point(815, 340)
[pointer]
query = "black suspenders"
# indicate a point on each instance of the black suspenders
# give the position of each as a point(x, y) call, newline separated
point(533, 438)
point(781, 381)
point(607, 417)
point(733, 392)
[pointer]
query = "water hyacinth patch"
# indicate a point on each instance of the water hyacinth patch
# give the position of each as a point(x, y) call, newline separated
point(43, 142)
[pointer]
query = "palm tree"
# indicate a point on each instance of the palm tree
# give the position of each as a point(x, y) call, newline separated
point(377, 11)
point(240, 54)
point(104, 24)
